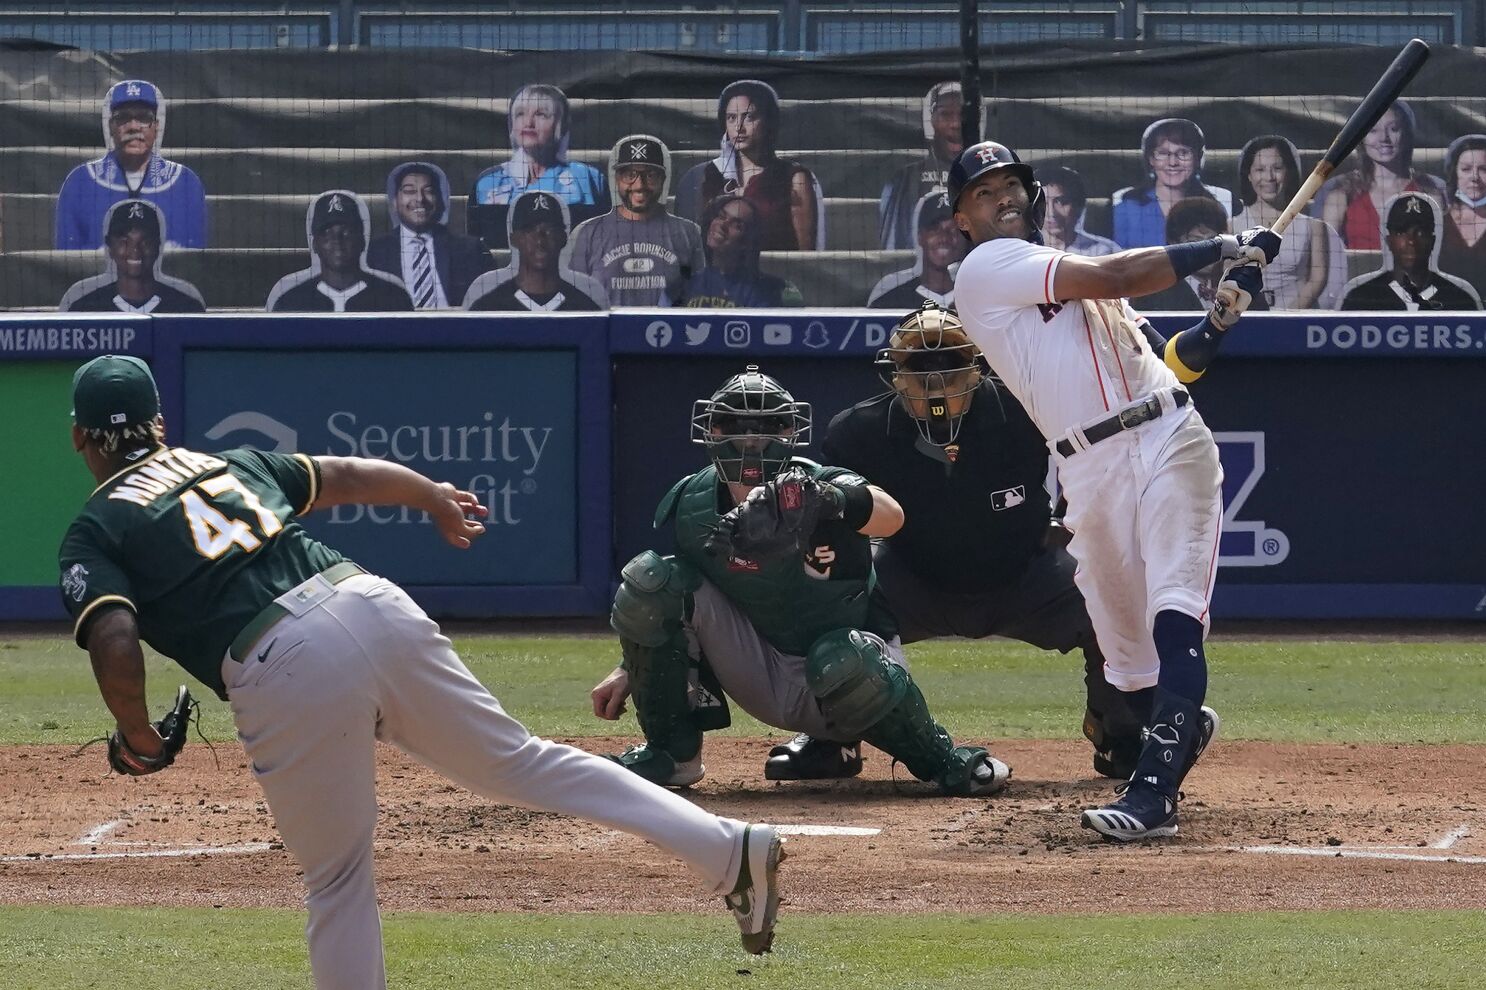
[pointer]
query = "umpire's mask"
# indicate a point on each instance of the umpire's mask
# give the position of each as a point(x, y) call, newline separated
point(750, 427)
point(934, 367)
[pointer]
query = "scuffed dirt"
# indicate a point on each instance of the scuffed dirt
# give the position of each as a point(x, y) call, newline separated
point(441, 848)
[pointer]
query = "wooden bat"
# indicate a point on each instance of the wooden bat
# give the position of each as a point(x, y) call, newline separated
point(1387, 89)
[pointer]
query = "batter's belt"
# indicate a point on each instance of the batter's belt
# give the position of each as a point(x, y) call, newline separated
point(243, 643)
point(1127, 418)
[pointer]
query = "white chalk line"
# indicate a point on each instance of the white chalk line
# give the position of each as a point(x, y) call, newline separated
point(826, 830)
point(1342, 852)
point(246, 847)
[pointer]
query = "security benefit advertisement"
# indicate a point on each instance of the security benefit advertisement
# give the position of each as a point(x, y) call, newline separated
point(501, 424)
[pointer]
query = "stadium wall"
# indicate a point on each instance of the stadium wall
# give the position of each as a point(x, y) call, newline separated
point(1350, 442)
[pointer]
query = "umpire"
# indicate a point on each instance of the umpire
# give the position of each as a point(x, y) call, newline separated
point(978, 553)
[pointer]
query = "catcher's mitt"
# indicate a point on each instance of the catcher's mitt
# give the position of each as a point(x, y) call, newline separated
point(776, 519)
point(172, 729)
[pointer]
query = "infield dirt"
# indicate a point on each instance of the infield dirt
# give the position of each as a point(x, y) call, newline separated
point(1365, 827)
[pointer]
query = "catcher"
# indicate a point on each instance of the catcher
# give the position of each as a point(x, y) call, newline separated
point(770, 601)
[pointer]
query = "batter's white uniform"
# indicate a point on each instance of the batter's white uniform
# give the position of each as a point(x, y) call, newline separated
point(1145, 505)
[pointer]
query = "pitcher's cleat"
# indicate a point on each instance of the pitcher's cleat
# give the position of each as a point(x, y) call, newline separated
point(755, 899)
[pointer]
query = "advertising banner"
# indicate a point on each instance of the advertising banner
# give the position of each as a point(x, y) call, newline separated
point(500, 424)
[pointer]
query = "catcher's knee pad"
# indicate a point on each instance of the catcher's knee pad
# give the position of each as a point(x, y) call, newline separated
point(853, 678)
point(654, 596)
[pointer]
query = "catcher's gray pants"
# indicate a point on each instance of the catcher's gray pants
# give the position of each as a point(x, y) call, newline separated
point(359, 661)
point(765, 682)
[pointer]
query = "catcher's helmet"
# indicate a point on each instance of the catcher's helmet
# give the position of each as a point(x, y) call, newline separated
point(987, 156)
point(935, 368)
point(750, 427)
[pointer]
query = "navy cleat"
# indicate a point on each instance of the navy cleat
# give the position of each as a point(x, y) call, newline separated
point(1141, 812)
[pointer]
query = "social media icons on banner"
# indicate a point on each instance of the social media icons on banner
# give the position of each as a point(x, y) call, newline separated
point(737, 333)
point(778, 334)
point(697, 334)
point(658, 334)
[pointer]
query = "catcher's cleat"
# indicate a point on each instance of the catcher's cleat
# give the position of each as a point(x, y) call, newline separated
point(974, 773)
point(1141, 812)
point(755, 899)
point(808, 758)
point(660, 767)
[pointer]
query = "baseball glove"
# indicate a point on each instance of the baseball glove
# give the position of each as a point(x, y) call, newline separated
point(172, 729)
point(775, 520)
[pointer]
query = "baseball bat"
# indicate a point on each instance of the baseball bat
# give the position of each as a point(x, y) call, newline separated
point(1387, 89)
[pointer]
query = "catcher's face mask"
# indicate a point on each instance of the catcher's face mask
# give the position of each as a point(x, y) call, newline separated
point(750, 427)
point(934, 367)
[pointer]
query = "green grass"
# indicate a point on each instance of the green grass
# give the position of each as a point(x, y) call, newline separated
point(76, 948)
point(1281, 691)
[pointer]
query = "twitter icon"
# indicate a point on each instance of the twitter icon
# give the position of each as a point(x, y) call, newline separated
point(697, 335)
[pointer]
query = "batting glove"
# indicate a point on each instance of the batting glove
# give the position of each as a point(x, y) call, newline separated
point(1257, 244)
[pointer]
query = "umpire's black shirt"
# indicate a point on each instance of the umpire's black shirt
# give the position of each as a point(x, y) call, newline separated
point(971, 525)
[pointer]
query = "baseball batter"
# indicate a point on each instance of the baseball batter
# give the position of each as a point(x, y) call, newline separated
point(1138, 466)
point(770, 601)
point(200, 556)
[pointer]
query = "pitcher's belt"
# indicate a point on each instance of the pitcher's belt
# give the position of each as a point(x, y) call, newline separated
point(242, 644)
point(1127, 418)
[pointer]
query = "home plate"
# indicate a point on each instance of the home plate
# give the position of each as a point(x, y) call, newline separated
point(825, 830)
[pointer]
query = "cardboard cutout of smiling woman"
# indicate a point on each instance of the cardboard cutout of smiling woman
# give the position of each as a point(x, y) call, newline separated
point(133, 282)
point(336, 225)
point(1171, 151)
point(131, 168)
point(535, 281)
point(540, 127)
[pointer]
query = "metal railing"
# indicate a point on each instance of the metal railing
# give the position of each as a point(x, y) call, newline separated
point(806, 26)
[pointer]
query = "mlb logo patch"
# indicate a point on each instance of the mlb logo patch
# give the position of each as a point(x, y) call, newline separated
point(1008, 498)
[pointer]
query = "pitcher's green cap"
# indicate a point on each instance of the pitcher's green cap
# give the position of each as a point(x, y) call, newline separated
point(114, 391)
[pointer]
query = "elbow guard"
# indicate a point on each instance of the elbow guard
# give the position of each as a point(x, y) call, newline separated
point(1189, 353)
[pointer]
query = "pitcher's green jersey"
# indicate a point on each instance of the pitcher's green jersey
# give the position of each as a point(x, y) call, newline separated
point(791, 603)
point(196, 545)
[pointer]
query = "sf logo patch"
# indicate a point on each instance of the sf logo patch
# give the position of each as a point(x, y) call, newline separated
point(75, 582)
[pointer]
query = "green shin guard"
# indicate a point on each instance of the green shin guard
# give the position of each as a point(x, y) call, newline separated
point(658, 679)
point(654, 597)
point(867, 696)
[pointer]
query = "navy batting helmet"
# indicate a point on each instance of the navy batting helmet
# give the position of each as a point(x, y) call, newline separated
point(987, 156)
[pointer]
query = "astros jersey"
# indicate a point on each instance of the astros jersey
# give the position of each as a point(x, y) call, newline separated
point(792, 602)
point(196, 545)
point(1067, 363)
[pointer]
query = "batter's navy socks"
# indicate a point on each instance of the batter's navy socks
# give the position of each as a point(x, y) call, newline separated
point(1178, 639)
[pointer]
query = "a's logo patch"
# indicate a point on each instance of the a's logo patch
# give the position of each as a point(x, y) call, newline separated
point(336, 206)
point(1008, 498)
point(136, 211)
point(75, 582)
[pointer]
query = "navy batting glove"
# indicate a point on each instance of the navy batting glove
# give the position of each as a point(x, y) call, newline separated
point(1262, 238)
